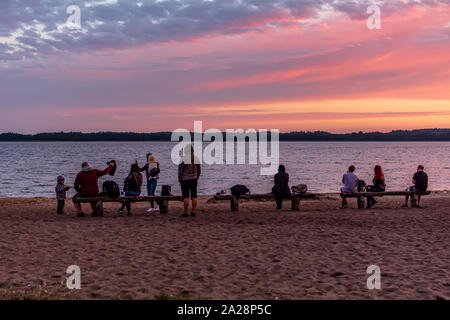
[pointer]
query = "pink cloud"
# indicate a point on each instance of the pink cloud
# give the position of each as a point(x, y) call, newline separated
point(273, 59)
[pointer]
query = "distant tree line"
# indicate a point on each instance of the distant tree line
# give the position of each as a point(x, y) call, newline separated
point(396, 135)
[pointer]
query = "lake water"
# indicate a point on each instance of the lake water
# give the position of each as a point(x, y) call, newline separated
point(29, 169)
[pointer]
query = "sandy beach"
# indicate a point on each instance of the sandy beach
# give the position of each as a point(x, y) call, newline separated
point(257, 253)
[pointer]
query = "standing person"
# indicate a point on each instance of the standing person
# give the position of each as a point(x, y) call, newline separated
point(60, 190)
point(420, 181)
point(132, 186)
point(152, 171)
point(281, 188)
point(188, 173)
point(379, 185)
point(86, 185)
point(350, 181)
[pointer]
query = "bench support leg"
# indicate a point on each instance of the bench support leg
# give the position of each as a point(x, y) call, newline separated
point(296, 204)
point(164, 206)
point(99, 209)
point(360, 202)
point(234, 203)
point(413, 201)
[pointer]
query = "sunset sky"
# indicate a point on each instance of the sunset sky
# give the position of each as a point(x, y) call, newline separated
point(159, 65)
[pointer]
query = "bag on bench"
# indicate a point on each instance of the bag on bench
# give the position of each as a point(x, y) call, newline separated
point(361, 185)
point(239, 190)
point(299, 189)
point(111, 189)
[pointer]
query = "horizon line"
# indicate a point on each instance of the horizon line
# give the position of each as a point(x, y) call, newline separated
point(155, 132)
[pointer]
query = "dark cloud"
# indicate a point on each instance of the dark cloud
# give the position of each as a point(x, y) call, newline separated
point(127, 23)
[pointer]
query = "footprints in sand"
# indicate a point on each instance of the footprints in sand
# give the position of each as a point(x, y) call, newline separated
point(257, 254)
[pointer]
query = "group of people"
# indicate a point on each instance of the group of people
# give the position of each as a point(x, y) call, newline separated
point(86, 183)
point(189, 170)
point(352, 184)
point(134, 180)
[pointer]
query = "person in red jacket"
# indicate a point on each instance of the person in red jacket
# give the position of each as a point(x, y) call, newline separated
point(86, 185)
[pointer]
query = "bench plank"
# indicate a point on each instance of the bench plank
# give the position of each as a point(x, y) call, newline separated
point(163, 201)
point(234, 201)
point(361, 195)
point(380, 194)
point(267, 196)
point(130, 199)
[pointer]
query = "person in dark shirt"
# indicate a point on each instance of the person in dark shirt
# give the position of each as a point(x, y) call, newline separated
point(60, 190)
point(281, 188)
point(379, 185)
point(189, 171)
point(420, 181)
point(132, 186)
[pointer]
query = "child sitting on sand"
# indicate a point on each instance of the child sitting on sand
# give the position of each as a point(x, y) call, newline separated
point(60, 190)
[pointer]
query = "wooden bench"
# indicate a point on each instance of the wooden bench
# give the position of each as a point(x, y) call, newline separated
point(162, 200)
point(361, 195)
point(234, 200)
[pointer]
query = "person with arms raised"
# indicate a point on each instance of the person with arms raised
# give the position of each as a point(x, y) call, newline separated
point(86, 185)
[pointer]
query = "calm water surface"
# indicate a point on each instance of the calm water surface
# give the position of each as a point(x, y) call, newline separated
point(29, 169)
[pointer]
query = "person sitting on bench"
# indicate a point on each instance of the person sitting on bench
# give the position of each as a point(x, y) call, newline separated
point(132, 186)
point(350, 181)
point(379, 185)
point(420, 181)
point(86, 185)
point(281, 188)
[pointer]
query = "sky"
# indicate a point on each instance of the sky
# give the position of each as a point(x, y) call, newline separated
point(292, 65)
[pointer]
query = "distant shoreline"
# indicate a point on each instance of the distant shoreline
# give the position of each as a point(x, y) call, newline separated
point(396, 135)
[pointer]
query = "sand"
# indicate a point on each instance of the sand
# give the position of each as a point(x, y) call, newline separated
point(258, 253)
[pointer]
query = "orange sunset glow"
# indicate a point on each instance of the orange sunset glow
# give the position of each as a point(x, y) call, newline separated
point(307, 67)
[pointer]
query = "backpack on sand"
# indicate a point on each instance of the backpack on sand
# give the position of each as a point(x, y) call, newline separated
point(239, 190)
point(111, 189)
